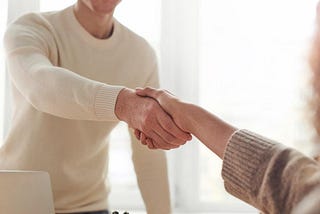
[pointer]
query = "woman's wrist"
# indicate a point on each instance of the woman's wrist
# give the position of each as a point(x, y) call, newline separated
point(208, 128)
point(184, 114)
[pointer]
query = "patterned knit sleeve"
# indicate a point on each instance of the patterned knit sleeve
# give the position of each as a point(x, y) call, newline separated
point(268, 175)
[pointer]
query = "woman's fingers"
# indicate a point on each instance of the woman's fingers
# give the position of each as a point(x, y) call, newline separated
point(147, 92)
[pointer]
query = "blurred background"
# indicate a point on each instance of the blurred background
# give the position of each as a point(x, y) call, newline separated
point(246, 61)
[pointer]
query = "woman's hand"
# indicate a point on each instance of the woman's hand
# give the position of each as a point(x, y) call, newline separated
point(171, 104)
point(145, 114)
point(208, 128)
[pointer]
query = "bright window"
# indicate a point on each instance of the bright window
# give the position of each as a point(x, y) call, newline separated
point(3, 20)
point(254, 74)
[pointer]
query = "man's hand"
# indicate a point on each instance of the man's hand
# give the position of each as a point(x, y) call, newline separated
point(171, 104)
point(177, 109)
point(208, 128)
point(146, 115)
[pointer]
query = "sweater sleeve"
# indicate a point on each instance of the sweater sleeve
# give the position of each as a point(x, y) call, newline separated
point(268, 175)
point(48, 88)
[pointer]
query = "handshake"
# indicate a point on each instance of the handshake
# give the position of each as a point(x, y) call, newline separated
point(159, 119)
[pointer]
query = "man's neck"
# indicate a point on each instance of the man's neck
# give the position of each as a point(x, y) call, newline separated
point(98, 25)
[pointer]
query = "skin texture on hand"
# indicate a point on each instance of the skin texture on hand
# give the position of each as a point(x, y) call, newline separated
point(145, 114)
point(170, 104)
point(209, 129)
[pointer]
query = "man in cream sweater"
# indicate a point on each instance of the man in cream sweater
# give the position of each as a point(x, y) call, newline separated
point(71, 74)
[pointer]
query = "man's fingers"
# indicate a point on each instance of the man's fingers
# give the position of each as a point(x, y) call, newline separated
point(137, 133)
point(167, 137)
point(154, 145)
point(150, 144)
point(159, 142)
point(143, 138)
point(158, 125)
point(169, 125)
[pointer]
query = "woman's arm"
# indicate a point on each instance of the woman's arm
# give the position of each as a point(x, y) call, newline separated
point(269, 175)
point(209, 129)
point(259, 171)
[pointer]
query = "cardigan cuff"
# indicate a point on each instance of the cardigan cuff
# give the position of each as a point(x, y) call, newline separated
point(245, 160)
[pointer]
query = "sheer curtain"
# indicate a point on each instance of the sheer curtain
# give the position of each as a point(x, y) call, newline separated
point(254, 73)
point(243, 60)
point(3, 19)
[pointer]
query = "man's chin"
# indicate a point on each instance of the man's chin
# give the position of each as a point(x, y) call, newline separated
point(105, 11)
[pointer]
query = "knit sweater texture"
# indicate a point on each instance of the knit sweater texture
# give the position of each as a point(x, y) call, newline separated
point(65, 83)
point(270, 176)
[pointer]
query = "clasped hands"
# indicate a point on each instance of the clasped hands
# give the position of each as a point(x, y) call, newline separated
point(154, 115)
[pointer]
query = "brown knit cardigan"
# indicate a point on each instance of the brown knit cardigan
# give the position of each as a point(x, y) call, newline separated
point(270, 176)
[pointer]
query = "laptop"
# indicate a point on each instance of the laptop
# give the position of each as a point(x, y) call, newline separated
point(25, 192)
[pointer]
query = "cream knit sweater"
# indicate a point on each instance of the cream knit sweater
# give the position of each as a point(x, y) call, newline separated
point(64, 87)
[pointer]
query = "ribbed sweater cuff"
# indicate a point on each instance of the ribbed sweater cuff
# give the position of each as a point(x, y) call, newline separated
point(105, 102)
point(245, 161)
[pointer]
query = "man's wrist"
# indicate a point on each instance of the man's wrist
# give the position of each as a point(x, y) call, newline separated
point(121, 104)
